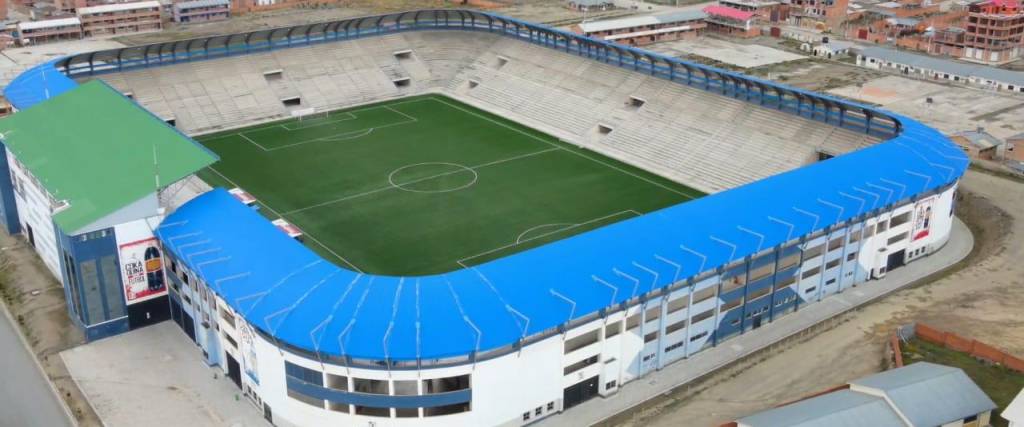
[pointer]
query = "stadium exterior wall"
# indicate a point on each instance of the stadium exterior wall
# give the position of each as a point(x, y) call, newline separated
point(536, 380)
point(599, 348)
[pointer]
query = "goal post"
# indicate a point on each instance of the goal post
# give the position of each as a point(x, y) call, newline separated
point(308, 114)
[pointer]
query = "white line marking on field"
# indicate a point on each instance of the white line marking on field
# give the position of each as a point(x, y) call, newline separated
point(390, 187)
point(689, 197)
point(285, 126)
point(462, 261)
point(401, 185)
point(563, 225)
point(242, 134)
point(318, 242)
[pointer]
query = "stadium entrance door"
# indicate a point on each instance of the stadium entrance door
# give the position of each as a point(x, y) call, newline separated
point(579, 392)
point(896, 260)
point(234, 371)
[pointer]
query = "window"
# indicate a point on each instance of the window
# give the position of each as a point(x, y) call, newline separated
point(702, 316)
point(811, 289)
point(680, 325)
point(784, 282)
point(832, 264)
point(581, 341)
point(882, 226)
point(698, 336)
point(761, 272)
point(855, 236)
point(632, 322)
point(650, 337)
point(734, 279)
point(446, 410)
point(851, 256)
point(789, 261)
point(373, 412)
point(900, 219)
point(813, 252)
point(735, 302)
point(551, 406)
point(810, 273)
point(538, 411)
point(704, 294)
point(830, 281)
point(835, 243)
point(898, 238)
point(759, 293)
point(405, 388)
point(612, 329)
point(362, 385)
point(308, 376)
point(526, 416)
point(678, 304)
point(675, 346)
point(446, 384)
point(580, 365)
point(653, 313)
point(610, 385)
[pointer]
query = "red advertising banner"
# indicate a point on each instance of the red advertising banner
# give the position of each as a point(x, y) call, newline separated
point(142, 270)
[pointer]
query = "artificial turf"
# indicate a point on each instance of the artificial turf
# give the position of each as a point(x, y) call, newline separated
point(427, 184)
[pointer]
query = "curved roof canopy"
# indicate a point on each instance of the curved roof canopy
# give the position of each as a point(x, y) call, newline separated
point(308, 304)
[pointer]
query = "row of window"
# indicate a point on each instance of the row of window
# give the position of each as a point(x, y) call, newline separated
point(377, 387)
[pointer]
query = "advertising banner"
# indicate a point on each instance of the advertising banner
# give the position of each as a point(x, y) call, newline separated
point(142, 268)
point(247, 336)
point(923, 218)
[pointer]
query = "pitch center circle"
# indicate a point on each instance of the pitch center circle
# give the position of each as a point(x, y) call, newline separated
point(432, 177)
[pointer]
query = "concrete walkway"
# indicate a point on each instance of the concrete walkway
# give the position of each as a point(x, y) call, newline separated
point(684, 371)
point(27, 397)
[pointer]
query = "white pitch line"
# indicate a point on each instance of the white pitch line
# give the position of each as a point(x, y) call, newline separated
point(461, 261)
point(242, 134)
point(389, 187)
point(689, 197)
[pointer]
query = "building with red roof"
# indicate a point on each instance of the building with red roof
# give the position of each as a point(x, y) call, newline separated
point(731, 21)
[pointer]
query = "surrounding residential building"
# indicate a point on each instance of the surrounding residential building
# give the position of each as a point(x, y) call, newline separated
point(823, 15)
point(731, 21)
point(941, 69)
point(35, 32)
point(764, 10)
point(980, 144)
point(641, 30)
point(590, 5)
point(201, 11)
point(1015, 147)
point(994, 31)
point(831, 49)
point(920, 394)
point(119, 18)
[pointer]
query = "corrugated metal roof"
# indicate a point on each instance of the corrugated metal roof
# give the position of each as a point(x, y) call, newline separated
point(728, 12)
point(590, 2)
point(117, 7)
point(636, 21)
point(100, 157)
point(945, 65)
point(49, 23)
point(201, 3)
point(844, 408)
point(980, 139)
point(928, 394)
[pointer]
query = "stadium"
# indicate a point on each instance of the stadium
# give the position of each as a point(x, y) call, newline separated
point(451, 217)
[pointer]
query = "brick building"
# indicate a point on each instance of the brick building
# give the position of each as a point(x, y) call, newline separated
point(641, 30)
point(201, 11)
point(731, 21)
point(819, 14)
point(119, 18)
point(994, 31)
point(35, 32)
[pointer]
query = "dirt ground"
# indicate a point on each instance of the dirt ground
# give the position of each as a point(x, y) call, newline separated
point(36, 301)
point(981, 298)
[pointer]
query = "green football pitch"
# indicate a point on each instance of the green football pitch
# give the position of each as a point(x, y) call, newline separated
point(427, 184)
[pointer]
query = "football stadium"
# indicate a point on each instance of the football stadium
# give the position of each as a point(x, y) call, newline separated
point(451, 217)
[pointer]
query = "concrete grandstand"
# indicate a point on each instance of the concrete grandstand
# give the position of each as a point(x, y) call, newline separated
point(811, 195)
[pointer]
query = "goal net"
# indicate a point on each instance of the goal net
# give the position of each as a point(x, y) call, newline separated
point(309, 114)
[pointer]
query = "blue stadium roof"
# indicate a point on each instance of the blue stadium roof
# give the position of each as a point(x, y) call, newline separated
point(37, 84)
point(299, 299)
point(288, 291)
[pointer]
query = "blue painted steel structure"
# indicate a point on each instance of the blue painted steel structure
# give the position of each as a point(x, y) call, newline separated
point(8, 206)
point(300, 301)
point(91, 273)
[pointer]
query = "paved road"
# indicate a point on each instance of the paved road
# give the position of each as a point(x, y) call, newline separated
point(26, 399)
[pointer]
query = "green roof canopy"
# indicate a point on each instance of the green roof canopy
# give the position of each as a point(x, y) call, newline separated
point(95, 149)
